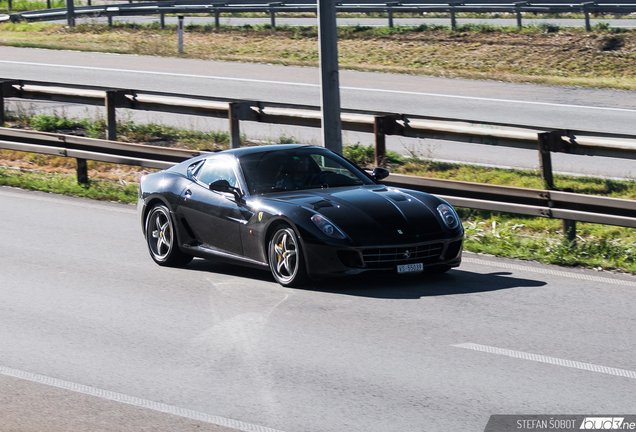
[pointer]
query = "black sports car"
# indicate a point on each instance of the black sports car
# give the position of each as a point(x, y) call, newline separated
point(303, 211)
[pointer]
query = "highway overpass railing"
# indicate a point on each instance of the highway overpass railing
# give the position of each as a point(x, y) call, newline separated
point(161, 8)
point(551, 202)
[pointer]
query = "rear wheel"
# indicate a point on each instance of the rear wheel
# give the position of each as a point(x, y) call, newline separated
point(161, 238)
point(286, 258)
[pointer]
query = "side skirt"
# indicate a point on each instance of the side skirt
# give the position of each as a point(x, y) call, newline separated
point(207, 252)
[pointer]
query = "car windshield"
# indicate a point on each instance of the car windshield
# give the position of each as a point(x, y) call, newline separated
point(299, 168)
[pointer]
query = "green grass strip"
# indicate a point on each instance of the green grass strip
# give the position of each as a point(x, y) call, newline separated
point(66, 184)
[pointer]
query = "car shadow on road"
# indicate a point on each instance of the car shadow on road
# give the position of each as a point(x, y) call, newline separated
point(391, 286)
point(235, 270)
point(387, 285)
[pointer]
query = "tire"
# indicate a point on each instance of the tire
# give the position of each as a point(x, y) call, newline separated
point(161, 238)
point(286, 259)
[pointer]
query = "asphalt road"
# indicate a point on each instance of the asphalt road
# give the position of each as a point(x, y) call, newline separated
point(542, 106)
point(95, 336)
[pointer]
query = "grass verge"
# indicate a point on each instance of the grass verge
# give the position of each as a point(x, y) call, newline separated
point(544, 54)
point(29, 5)
point(66, 184)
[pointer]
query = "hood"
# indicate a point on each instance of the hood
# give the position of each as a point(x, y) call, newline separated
point(372, 214)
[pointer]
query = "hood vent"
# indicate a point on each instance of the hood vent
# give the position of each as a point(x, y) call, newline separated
point(321, 204)
point(397, 197)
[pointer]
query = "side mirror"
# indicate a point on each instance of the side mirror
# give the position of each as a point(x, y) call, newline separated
point(224, 186)
point(379, 173)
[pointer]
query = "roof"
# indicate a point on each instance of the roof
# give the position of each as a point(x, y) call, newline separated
point(238, 152)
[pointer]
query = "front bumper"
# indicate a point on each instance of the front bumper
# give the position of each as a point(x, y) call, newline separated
point(328, 260)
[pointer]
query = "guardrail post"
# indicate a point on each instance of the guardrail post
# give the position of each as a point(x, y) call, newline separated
point(110, 19)
point(82, 171)
point(588, 27)
point(9, 6)
point(48, 4)
point(162, 20)
point(272, 13)
point(235, 131)
point(569, 231)
point(383, 126)
point(110, 103)
point(380, 141)
point(545, 158)
point(70, 13)
point(518, 6)
point(451, 7)
point(549, 142)
point(217, 20)
point(390, 11)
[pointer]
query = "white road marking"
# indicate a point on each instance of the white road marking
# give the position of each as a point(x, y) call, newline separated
point(550, 360)
point(67, 202)
point(564, 274)
point(135, 401)
point(297, 84)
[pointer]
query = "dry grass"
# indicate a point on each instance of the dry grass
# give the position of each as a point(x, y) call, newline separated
point(54, 164)
point(602, 58)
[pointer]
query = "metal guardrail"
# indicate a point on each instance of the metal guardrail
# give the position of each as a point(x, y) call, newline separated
point(544, 203)
point(182, 7)
point(93, 149)
point(533, 202)
point(545, 140)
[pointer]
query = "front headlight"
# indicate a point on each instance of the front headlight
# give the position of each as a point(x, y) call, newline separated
point(450, 218)
point(327, 227)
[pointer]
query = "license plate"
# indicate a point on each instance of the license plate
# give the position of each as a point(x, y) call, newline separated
point(410, 268)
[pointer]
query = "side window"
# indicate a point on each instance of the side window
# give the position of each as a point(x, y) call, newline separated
point(193, 168)
point(216, 169)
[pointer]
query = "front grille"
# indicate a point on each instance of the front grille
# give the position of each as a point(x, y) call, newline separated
point(392, 256)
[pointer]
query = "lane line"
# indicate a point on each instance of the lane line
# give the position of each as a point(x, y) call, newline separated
point(549, 360)
point(564, 274)
point(170, 74)
point(135, 401)
point(67, 201)
point(285, 83)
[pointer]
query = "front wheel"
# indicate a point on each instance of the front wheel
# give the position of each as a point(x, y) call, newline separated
point(286, 258)
point(162, 239)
